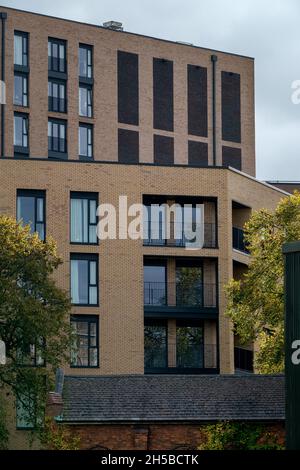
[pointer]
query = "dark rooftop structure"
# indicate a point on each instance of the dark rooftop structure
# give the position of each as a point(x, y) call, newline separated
point(189, 398)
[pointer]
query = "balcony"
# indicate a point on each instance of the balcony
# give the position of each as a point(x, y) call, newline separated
point(179, 235)
point(183, 359)
point(166, 298)
point(238, 242)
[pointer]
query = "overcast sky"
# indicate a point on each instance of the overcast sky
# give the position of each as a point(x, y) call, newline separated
point(265, 29)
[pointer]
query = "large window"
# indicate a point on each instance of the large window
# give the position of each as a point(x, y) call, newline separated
point(85, 141)
point(21, 133)
point(85, 100)
point(57, 55)
point(57, 137)
point(31, 210)
point(189, 344)
point(21, 49)
point(83, 217)
point(32, 354)
point(25, 411)
point(57, 96)
point(156, 348)
point(84, 279)
point(85, 349)
point(155, 289)
point(189, 284)
point(20, 89)
point(85, 61)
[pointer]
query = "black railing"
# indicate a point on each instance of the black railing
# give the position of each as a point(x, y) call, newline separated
point(180, 294)
point(238, 242)
point(243, 359)
point(178, 358)
point(179, 234)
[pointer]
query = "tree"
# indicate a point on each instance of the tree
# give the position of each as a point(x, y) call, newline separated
point(34, 317)
point(256, 301)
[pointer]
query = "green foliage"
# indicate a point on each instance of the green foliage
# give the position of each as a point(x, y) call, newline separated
point(239, 436)
point(256, 302)
point(58, 437)
point(33, 311)
point(3, 428)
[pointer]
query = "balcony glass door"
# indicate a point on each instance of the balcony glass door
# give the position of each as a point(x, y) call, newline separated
point(155, 292)
point(189, 346)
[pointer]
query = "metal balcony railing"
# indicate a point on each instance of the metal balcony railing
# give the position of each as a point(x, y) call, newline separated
point(181, 357)
point(178, 234)
point(238, 242)
point(180, 294)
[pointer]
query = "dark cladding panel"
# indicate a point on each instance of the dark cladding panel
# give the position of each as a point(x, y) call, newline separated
point(198, 153)
point(231, 107)
point(163, 113)
point(163, 150)
point(197, 100)
point(232, 157)
point(128, 88)
point(128, 146)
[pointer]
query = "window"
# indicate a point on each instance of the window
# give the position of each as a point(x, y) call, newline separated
point(57, 96)
point(57, 56)
point(155, 340)
point(85, 141)
point(189, 284)
point(21, 49)
point(85, 61)
point(83, 217)
point(21, 132)
point(20, 89)
point(155, 284)
point(189, 344)
point(85, 100)
point(32, 354)
point(84, 279)
point(57, 137)
point(25, 411)
point(85, 349)
point(31, 210)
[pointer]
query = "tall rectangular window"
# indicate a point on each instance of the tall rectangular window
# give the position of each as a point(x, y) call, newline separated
point(31, 210)
point(85, 61)
point(85, 140)
point(163, 107)
point(83, 217)
point(197, 100)
point(156, 344)
point(57, 137)
point(84, 279)
point(85, 100)
point(25, 412)
point(231, 106)
point(21, 133)
point(57, 55)
point(85, 348)
point(57, 101)
point(128, 88)
point(20, 89)
point(155, 284)
point(189, 344)
point(21, 49)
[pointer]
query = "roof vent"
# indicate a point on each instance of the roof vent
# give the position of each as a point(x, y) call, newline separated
point(115, 25)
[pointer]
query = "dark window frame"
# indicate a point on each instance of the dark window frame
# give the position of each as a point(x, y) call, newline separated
point(57, 153)
point(90, 257)
point(90, 196)
point(90, 105)
point(36, 194)
point(24, 76)
point(90, 134)
point(62, 102)
point(21, 149)
point(158, 323)
point(88, 319)
point(158, 263)
point(51, 58)
point(25, 50)
point(87, 48)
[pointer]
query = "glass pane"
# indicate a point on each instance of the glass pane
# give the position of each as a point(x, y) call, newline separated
point(40, 228)
point(25, 412)
point(93, 295)
point(92, 234)
point(26, 210)
point(18, 54)
point(93, 357)
point(40, 209)
point(82, 62)
point(83, 101)
point(93, 266)
point(83, 147)
point(76, 221)
point(155, 338)
point(93, 211)
point(79, 281)
point(189, 286)
point(189, 346)
point(18, 90)
point(18, 131)
point(93, 334)
point(154, 285)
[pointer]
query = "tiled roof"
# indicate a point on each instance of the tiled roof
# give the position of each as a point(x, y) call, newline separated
point(150, 398)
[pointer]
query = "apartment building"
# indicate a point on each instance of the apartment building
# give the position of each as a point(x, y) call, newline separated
point(93, 113)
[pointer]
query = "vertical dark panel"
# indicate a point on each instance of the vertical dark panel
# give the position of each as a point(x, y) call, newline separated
point(292, 344)
point(231, 107)
point(232, 157)
point(128, 88)
point(128, 146)
point(163, 113)
point(197, 100)
point(198, 153)
point(163, 150)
